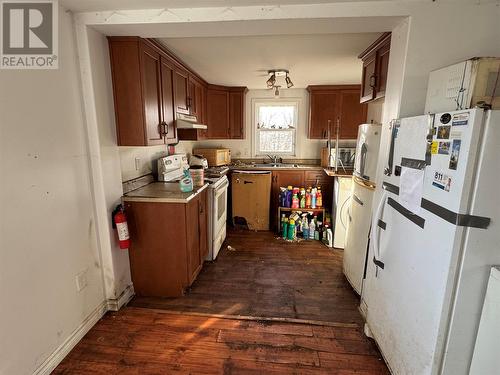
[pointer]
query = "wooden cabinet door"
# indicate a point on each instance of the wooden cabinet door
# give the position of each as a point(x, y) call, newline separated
point(368, 78)
point(193, 239)
point(151, 93)
point(203, 224)
point(324, 106)
point(382, 68)
point(236, 114)
point(353, 114)
point(167, 90)
point(217, 114)
point(181, 91)
point(157, 257)
point(196, 97)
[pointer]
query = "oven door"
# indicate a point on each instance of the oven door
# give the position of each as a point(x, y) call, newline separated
point(220, 207)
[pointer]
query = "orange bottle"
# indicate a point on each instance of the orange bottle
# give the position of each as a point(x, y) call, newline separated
point(319, 198)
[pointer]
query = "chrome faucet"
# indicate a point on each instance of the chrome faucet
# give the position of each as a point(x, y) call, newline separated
point(274, 158)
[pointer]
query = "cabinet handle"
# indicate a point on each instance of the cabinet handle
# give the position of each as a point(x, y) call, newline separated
point(200, 206)
point(372, 81)
point(189, 102)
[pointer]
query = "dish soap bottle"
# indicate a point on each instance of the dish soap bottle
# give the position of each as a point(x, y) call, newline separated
point(186, 182)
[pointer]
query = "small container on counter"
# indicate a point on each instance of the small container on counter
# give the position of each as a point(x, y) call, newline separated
point(198, 175)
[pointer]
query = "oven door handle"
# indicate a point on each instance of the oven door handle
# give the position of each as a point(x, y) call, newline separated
point(222, 187)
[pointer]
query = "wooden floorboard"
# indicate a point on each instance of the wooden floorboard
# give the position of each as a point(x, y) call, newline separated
point(269, 277)
point(269, 307)
point(143, 341)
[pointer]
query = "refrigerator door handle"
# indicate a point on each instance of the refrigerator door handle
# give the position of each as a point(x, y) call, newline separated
point(394, 134)
point(364, 150)
point(376, 231)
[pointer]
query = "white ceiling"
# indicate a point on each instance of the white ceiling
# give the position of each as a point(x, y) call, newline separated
point(244, 61)
point(101, 5)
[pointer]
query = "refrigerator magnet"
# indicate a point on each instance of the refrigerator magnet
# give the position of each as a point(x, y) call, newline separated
point(434, 148)
point(442, 181)
point(460, 119)
point(444, 132)
point(455, 153)
point(444, 148)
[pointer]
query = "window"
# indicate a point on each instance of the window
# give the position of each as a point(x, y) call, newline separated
point(276, 123)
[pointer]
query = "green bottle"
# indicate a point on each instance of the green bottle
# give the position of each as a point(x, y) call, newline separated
point(285, 228)
point(291, 230)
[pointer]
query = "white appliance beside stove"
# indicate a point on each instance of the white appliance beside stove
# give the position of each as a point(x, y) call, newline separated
point(217, 214)
point(360, 205)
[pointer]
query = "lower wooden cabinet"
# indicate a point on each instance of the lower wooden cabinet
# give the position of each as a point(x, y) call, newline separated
point(168, 245)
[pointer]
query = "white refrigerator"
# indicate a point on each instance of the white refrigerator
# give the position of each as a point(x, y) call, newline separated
point(360, 206)
point(435, 236)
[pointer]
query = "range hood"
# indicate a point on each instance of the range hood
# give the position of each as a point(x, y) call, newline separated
point(188, 122)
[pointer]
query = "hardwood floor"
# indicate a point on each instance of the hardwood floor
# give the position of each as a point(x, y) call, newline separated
point(145, 341)
point(280, 308)
point(269, 277)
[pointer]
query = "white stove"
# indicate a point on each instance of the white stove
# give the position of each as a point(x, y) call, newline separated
point(217, 201)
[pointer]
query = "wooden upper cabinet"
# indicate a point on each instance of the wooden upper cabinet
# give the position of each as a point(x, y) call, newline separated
point(329, 104)
point(181, 90)
point(196, 98)
point(142, 90)
point(237, 114)
point(167, 85)
point(352, 114)
point(151, 85)
point(152, 95)
point(375, 66)
point(217, 113)
point(368, 78)
point(324, 107)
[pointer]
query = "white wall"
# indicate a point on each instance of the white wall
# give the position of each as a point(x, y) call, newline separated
point(115, 261)
point(47, 226)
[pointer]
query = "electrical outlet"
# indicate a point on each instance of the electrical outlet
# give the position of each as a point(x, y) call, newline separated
point(137, 163)
point(81, 281)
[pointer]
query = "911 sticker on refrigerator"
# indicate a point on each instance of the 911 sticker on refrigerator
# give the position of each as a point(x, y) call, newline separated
point(442, 181)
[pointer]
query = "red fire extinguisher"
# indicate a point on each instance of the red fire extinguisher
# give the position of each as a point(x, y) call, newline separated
point(120, 223)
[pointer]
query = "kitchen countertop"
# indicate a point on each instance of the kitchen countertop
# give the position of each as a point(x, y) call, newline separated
point(340, 172)
point(162, 192)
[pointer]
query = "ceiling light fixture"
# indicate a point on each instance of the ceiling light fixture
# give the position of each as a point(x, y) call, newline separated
point(289, 83)
point(277, 91)
point(274, 73)
point(271, 81)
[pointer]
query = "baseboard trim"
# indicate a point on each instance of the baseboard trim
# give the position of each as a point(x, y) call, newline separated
point(124, 298)
point(62, 351)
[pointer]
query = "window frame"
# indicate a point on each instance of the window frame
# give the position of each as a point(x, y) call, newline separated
point(256, 104)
